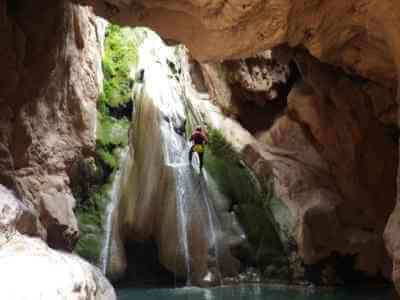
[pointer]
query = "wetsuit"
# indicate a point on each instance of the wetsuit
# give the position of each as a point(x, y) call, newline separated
point(199, 139)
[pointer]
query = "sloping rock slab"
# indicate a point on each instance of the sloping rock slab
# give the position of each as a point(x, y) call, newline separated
point(31, 270)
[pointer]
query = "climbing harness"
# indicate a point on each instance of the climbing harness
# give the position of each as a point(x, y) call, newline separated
point(198, 148)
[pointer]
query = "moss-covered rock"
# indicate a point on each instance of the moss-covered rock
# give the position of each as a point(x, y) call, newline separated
point(251, 198)
point(91, 225)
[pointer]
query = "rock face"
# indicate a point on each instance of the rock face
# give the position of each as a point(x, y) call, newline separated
point(321, 147)
point(252, 90)
point(48, 93)
point(334, 183)
point(364, 41)
point(48, 274)
point(45, 273)
point(15, 216)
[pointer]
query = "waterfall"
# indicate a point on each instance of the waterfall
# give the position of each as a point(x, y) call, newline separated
point(174, 151)
point(191, 189)
point(114, 194)
point(165, 199)
point(189, 182)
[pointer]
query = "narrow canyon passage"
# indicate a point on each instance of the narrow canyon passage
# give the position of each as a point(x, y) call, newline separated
point(299, 182)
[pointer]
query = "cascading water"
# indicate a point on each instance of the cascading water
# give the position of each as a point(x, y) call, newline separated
point(165, 91)
point(114, 196)
point(164, 200)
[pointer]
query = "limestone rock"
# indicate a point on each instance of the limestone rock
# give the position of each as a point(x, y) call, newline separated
point(45, 273)
point(16, 216)
point(48, 274)
point(321, 151)
point(48, 92)
point(364, 41)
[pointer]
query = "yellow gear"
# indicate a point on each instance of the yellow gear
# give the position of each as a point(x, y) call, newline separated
point(198, 148)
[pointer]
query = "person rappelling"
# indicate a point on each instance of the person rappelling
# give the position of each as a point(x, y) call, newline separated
point(140, 76)
point(199, 139)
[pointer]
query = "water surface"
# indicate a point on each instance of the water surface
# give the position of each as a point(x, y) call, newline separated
point(254, 292)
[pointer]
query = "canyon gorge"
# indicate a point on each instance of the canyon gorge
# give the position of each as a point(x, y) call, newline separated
point(300, 101)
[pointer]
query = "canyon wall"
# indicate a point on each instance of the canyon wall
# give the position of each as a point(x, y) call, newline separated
point(50, 57)
point(321, 140)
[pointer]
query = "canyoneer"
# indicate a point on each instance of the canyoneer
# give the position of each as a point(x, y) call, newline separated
point(199, 139)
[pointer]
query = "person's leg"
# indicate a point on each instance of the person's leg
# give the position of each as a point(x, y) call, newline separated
point(191, 154)
point(201, 155)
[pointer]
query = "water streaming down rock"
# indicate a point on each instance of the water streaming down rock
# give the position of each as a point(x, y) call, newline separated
point(114, 196)
point(165, 199)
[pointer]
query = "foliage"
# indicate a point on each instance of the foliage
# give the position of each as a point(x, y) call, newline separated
point(120, 56)
point(113, 131)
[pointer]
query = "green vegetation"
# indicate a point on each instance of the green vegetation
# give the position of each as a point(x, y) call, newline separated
point(120, 55)
point(92, 181)
point(90, 220)
point(252, 195)
point(87, 180)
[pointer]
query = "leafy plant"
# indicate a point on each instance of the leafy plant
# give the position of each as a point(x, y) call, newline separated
point(120, 55)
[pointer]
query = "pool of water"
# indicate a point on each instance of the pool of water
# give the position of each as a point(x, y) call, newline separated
point(254, 292)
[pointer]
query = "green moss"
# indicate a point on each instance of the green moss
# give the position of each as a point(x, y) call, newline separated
point(91, 225)
point(120, 55)
point(111, 130)
point(251, 194)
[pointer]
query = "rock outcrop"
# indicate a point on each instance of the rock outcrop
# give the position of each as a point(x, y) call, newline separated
point(50, 56)
point(48, 274)
point(321, 146)
point(43, 272)
point(364, 41)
